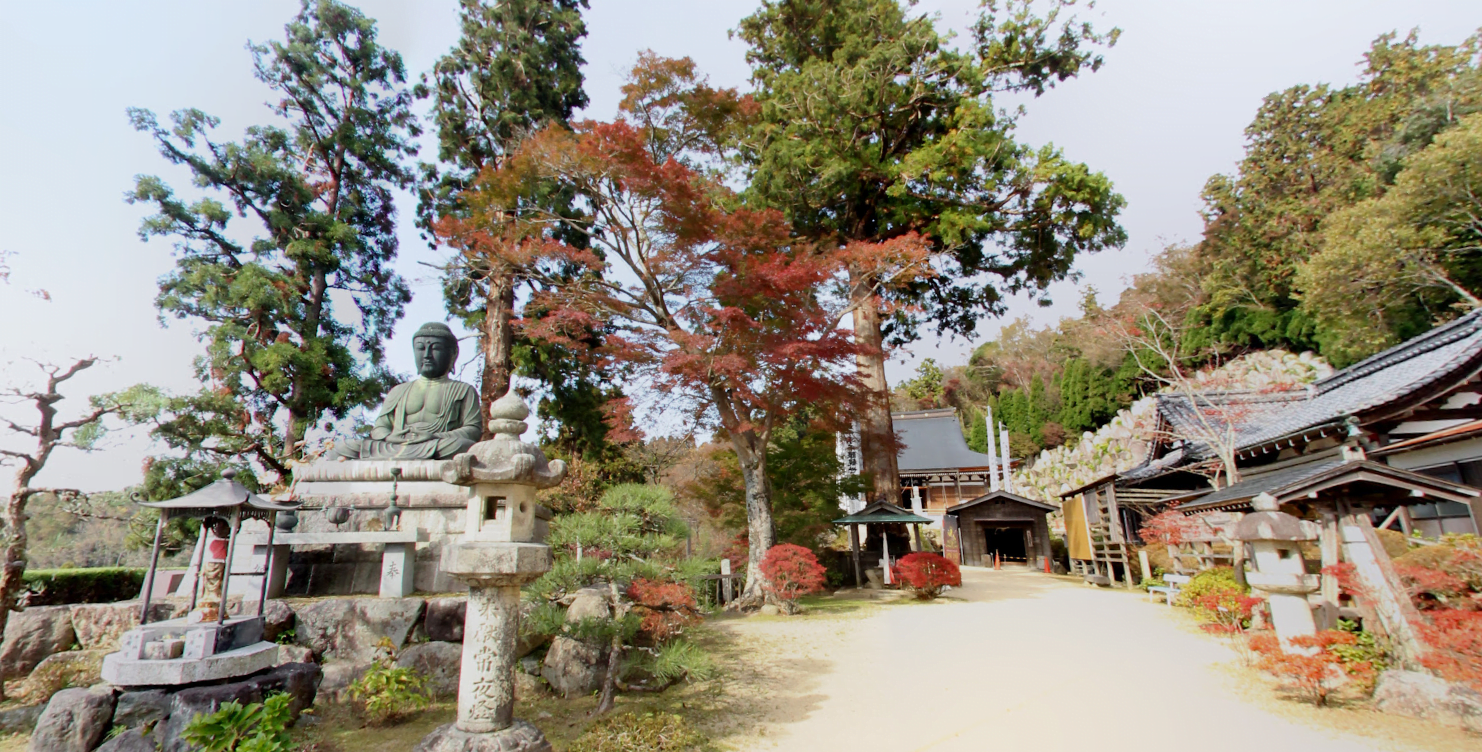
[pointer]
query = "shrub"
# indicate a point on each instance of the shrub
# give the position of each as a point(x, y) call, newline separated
point(1210, 581)
point(631, 732)
point(1170, 528)
point(57, 587)
point(791, 571)
point(1456, 636)
point(664, 608)
point(386, 693)
point(234, 727)
point(1311, 673)
point(658, 667)
point(928, 573)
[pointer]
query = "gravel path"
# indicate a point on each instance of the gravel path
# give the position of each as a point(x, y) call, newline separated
point(1014, 661)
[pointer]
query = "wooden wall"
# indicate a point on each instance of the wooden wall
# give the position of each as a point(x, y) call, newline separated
point(1002, 513)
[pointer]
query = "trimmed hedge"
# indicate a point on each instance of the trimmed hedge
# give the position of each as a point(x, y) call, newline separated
point(56, 587)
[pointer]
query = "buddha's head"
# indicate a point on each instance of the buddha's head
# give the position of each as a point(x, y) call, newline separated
point(435, 349)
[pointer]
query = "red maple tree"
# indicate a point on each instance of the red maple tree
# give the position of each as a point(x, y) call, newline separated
point(708, 304)
point(927, 573)
point(791, 572)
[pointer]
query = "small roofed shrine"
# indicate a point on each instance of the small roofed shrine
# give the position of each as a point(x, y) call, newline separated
point(998, 528)
point(206, 644)
point(885, 521)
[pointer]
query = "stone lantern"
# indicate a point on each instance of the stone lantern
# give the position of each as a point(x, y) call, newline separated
point(1279, 569)
point(500, 550)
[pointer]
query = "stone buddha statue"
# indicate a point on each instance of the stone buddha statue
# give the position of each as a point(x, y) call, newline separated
point(431, 417)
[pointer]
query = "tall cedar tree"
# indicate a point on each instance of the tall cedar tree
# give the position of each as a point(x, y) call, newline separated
point(711, 303)
point(319, 190)
point(516, 68)
point(873, 127)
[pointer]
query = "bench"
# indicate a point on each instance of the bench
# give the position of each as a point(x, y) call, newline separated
point(1169, 591)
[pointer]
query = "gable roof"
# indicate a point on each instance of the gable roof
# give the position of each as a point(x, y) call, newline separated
point(1000, 496)
point(1379, 386)
point(882, 511)
point(1299, 481)
point(932, 440)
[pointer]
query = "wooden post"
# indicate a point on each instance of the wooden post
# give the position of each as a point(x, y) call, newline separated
point(725, 581)
point(854, 552)
point(1142, 558)
point(1389, 597)
point(917, 530)
point(154, 562)
point(1329, 542)
point(1407, 523)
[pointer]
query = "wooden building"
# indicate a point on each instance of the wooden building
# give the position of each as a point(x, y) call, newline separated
point(937, 469)
point(1012, 528)
point(1394, 439)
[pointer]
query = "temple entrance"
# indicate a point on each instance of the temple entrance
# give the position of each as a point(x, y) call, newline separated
point(1010, 543)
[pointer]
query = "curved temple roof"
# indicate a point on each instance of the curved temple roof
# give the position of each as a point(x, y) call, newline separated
point(223, 494)
point(932, 440)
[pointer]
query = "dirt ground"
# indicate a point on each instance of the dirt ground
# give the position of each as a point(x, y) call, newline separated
point(1010, 660)
point(1023, 660)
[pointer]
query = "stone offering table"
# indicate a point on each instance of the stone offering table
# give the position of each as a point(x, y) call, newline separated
point(398, 557)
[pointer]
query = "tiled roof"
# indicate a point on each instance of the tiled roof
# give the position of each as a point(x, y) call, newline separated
point(1448, 353)
point(1297, 480)
point(932, 440)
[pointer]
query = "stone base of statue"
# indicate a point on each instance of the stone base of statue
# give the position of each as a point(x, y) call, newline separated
point(519, 737)
point(430, 506)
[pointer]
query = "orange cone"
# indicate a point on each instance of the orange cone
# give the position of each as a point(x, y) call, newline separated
point(996, 563)
point(1047, 565)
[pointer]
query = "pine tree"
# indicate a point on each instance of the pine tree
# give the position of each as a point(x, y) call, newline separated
point(318, 193)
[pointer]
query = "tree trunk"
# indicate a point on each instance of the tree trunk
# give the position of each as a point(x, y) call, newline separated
point(877, 443)
point(614, 655)
point(760, 530)
point(12, 577)
point(497, 340)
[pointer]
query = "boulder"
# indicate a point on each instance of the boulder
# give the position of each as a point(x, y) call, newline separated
point(298, 680)
point(350, 629)
point(20, 720)
point(520, 737)
point(134, 709)
point(74, 668)
point(438, 663)
point(133, 740)
point(445, 618)
point(74, 721)
point(573, 667)
point(338, 676)
point(294, 654)
point(318, 625)
point(277, 618)
point(31, 636)
point(1420, 695)
point(529, 687)
point(589, 603)
point(99, 625)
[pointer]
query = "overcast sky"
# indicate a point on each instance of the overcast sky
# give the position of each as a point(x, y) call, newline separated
point(1165, 113)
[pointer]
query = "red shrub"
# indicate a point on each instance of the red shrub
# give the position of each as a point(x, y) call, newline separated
point(1311, 674)
point(1456, 636)
point(1170, 528)
point(928, 573)
point(1230, 611)
point(665, 608)
point(791, 571)
point(1430, 588)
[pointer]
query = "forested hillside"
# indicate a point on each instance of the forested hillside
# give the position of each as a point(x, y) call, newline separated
point(1353, 222)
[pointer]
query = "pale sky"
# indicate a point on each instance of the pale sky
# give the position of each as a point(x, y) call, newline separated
point(1165, 113)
